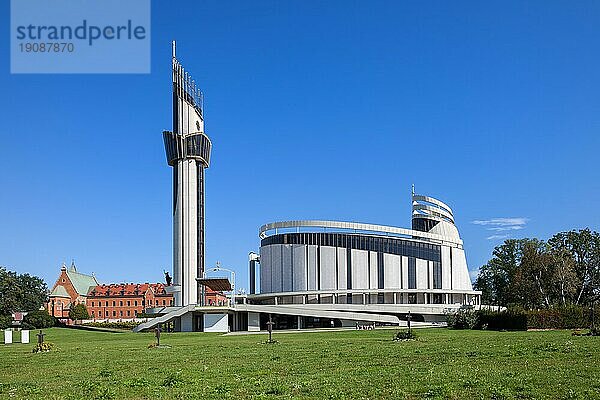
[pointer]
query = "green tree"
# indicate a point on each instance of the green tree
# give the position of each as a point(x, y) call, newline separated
point(78, 312)
point(21, 292)
point(39, 319)
point(584, 246)
point(496, 279)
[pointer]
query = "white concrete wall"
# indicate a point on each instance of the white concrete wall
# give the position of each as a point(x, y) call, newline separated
point(460, 273)
point(312, 267)
point(360, 271)
point(391, 271)
point(446, 268)
point(373, 270)
point(216, 322)
point(404, 272)
point(300, 268)
point(342, 268)
point(327, 278)
point(422, 270)
point(430, 274)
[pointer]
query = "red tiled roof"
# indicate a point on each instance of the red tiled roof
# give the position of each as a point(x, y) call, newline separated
point(128, 289)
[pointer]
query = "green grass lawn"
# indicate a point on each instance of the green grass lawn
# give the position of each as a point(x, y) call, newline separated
point(330, 365)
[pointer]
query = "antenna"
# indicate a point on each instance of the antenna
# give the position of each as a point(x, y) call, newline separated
point(173, 48)
point(413, 189)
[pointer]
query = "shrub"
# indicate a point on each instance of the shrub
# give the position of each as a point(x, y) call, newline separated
point(463, 319)
point(43, 347)
point(5, 321)
point(509, 320)
point(404, 336)
point(566, 317)
point(114, 325)
point(39, 319)
point(487, 319)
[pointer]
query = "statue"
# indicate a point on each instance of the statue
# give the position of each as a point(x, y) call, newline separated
point(168, 278)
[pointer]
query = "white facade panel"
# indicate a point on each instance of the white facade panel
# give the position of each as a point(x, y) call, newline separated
point(430, 274)
point(460, 272)
point(342, 268)
point(404, 272)
point(300, 269)
point(216, 322)
point(422, 270)
point(327, 273)
point(287, 268)
point(312, 267)
point(446, 268)
point(360, 269)
point(373, 270)
point(276, 261)
point(391, 271)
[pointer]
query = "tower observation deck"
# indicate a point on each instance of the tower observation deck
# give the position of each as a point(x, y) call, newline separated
point(188, 152)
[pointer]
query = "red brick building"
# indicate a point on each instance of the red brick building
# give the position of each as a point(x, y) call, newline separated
point(70, 288)
point(121, 301)
point(126, 300)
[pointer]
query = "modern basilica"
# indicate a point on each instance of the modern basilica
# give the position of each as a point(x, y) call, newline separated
point(307, 273)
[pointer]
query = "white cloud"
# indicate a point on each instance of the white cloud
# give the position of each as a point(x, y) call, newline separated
point(502, 225)
point(497, 237)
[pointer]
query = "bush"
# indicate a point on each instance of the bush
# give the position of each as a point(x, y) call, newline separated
point(114, 325)
point(463, 319)
point(5, 321)
point(402, 336)
point(567, 317)
point(43, 347)
point(510, 320)
point(39, 319)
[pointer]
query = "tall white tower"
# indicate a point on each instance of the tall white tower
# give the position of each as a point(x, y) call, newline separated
point(188, 152)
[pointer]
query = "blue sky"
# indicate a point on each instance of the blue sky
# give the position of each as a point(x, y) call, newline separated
point(316, 110)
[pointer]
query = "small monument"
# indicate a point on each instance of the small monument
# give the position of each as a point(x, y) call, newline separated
point(7, 336)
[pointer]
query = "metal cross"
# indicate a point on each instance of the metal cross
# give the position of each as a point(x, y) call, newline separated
point(270, 328)
point(40, 337)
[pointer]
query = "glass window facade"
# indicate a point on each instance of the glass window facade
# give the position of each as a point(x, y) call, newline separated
point(402, 247)
point(412, 273)
point(437, 275)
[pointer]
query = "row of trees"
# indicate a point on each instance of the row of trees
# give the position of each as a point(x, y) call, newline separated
point(533, 273)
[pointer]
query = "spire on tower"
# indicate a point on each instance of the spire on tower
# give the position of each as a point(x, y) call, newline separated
point(173, 44)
